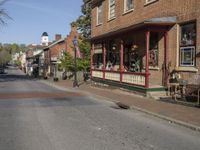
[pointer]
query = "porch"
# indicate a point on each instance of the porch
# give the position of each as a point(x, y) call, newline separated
point(126, 80)
point(129, 58)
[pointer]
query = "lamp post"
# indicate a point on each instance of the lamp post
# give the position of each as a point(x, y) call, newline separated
point(75, 42)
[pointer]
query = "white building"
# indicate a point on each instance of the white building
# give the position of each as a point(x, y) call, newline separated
point(44, 39)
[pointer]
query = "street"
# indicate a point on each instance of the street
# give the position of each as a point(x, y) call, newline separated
point(35, 116)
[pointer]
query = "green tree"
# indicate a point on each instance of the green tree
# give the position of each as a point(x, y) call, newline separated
point(4, 57)
point(84, 63)
point(67, 62)
point(15, 48)
point(83, 22)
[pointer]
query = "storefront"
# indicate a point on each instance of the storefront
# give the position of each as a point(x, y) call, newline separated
point(130, 58)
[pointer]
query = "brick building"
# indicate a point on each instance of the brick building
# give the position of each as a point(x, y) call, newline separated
point(138, 43)
point(54, 51)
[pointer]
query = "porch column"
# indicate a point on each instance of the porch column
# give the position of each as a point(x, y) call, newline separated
point(147, 59)
point(166, 58)
point(121, 59)
point(104, 59)
point(91, 59)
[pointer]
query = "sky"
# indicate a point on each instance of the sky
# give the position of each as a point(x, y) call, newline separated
point(30, 18)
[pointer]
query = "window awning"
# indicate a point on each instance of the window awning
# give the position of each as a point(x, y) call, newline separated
point(164, 22)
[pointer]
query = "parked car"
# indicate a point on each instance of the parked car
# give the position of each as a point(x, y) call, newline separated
point(1, 70)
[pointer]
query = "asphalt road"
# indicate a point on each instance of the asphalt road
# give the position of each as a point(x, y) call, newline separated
point(35, 116)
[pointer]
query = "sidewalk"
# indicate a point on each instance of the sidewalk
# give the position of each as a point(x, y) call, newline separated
point(179, 114)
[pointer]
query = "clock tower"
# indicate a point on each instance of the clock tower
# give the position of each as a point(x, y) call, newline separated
point(45, 39)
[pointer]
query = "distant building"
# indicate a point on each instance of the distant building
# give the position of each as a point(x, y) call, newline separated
point(35, 60)
point(54, 52)
point(45, 39)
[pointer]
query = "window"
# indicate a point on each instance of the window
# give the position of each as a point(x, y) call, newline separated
point(150, 1)
point(132, 58)
point(128, 5)
point(100, 14)
point(187, 44)
point(112, 56)
point(187, 56)
point(111, 9)
point(98, 56)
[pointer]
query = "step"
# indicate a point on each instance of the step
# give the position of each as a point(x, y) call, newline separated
point(157, 95)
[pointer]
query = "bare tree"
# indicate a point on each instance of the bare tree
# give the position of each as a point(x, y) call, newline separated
point(3, 13)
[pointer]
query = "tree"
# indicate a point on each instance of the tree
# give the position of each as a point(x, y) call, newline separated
point(84, 21)
point(6, 50)
point(4, 57)
point(83, 24)
point(3, 13)
point(67, 62)
point(84, 63)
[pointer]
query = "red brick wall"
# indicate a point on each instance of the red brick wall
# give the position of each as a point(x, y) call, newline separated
point(184, 10)
point(69, 40)
point(57, 49)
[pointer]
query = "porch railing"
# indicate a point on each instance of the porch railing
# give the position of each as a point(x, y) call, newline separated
point(97, 74)
point(112, 76)
point(124, 77)
point(131, 78)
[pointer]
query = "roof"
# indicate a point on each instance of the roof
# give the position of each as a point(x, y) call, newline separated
point(54, 43)
point(44, 34)
point(33, 47)
point(162, 22)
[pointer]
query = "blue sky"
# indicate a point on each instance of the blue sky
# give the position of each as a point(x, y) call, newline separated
point(33, 17)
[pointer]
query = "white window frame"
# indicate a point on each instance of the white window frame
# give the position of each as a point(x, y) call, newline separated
point(125, 6)
point(183, 48)
point(182, 52)
point(149, 1)
point(99, 22)
point(109, 9)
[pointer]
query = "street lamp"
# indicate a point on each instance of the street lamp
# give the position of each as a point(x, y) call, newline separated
point(75, 42)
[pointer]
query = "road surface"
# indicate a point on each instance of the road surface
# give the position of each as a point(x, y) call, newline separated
point(35, 116)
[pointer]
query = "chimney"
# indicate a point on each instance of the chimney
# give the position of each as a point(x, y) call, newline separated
point(58, 37)
point(73, 31)
point(73, 28)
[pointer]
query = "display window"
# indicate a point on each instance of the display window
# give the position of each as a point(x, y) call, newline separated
point(187, 44)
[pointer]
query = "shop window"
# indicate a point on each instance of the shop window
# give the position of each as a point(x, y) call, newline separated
point(100, 14)
point(187, 56)
point(132, 58)
point(98, 56)
point(153, 51)
point(111, 9)
point(113, 57)
point(187, 44)
point(128, 5)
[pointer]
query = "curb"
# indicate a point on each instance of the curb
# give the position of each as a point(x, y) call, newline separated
point(178, 122)
point(125, 106)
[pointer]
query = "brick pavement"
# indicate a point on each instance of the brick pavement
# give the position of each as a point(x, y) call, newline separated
point(180, 114)
point(37, 95)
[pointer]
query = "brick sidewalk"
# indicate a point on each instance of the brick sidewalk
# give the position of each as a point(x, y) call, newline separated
point(180, 114)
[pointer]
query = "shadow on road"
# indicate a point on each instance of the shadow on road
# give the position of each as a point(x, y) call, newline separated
point(13, 74)
point(15, 78)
